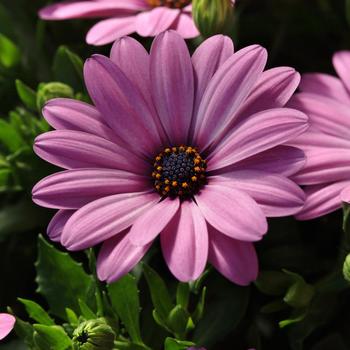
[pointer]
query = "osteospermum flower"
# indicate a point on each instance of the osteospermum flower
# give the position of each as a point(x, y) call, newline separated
point(123, 17)
point(326, 100)
point(7, 322)
point(186, 148)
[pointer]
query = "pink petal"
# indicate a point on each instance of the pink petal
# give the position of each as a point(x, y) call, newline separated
point(260, 132)
point(319, 109)
point(104, 218)
point(121, 103)
point(7, 322)
point(206, 60)
point(322, 199)
point(225, 93)
point(185, 243)
point(275, 194)
point(67, 114)
point(155, 21)
point(341, 63)
point(232, 212)
point(147, 227)
point(132, 58)
point(57, 223)
point(75, 149)
point(273, 90)
point(345, 194)
point(184, 25)
point(236, 260)
point(325, 85)
point(117, 257)
point(283, 160)
point(324, 165)
point(108, 30)
point(72, 189)
point(172, 85)
point(86, 9)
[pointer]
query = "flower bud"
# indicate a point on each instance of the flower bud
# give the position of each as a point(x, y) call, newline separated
point(213, 16)
point(52, 90)
point(346, 268)
point(93, 335)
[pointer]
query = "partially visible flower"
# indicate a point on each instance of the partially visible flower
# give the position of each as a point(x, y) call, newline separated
point(123, 17)
point(93, 335)
point(7, 322)
point(326, 175)
point(187, 148)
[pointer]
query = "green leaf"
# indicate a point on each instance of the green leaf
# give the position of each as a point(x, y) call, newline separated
point(26, 94)
point(86, 311)
point(183, 294)
point(36, 312)
point(10, 137)
point(125, 300)
point(9, 53)
point(177, 321)
point(61, 280)
point(68, 68)
point(130, 346)
point(174, 344)
point(274, 283)
point(25, 331)
point(14, 345)
point(198, 313)
point(5, 175)
point(159, 293)
point(72, 318)
point(54, 336)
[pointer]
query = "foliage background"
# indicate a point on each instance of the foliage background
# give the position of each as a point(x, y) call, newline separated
point(299, 33)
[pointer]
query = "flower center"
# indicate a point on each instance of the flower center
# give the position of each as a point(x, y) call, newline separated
point(174, 4)
point(179, 171)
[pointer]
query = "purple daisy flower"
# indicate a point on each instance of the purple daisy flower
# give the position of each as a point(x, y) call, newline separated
point(123, 17)
point(188, 148)
point(325, 177)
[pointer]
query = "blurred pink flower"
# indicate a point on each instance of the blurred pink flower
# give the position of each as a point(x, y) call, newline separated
point(190, 148)
point(123, 17)
point(326, 175)
point(7, 322)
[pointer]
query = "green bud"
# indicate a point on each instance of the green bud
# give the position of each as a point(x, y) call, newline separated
point(213, 16)
point(346, 268)
point(93, 335)
point(48, 91)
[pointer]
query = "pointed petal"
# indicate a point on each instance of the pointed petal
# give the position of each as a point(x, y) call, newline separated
point(184, 25)
point(155, 21)
point(325, 85)
point(56, 225)
point(121, 103)
point(67, 114)
point(7, 322)
point(206, 60)
point(236, 260)
point(109, 30)
point(185, 243)
point(232, 212)
point(226, 92)
point(117, 257)
point(341, 63)
point(104, 218)
point(325, 114)
point(74, 149)
point(258, 133)
point(72, 189)
point(86, 9)
point(283, 160)
point(273, 90)
point(148, 226)
point(322, 199)
point(275, 194)
point(172, 85)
